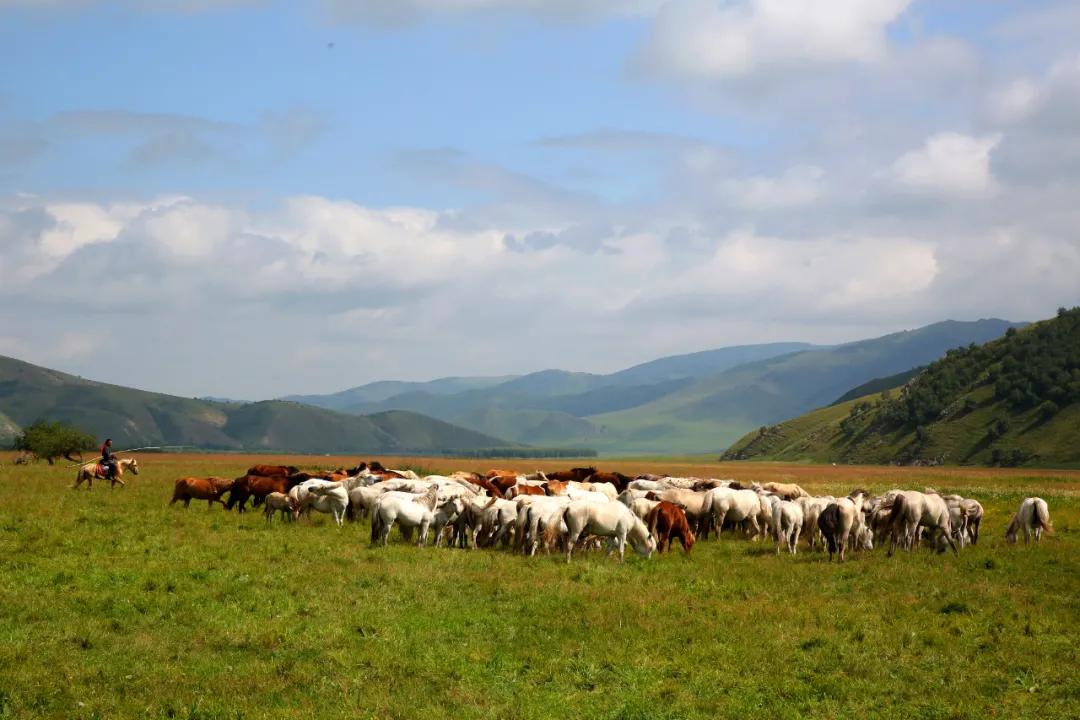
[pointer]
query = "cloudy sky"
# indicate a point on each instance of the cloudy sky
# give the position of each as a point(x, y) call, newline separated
point(255, 197)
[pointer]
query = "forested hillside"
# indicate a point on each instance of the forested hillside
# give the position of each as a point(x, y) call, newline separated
point(1012, 401)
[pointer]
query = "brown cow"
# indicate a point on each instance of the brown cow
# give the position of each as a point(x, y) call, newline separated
point(271, 470)
point(668, 520)
point(193, 488)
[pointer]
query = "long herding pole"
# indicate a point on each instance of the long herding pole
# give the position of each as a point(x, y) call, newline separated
point(131, 450)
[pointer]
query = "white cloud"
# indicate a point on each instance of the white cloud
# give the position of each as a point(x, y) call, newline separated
point(950, 164)
point(706, 39)
point(797, 187)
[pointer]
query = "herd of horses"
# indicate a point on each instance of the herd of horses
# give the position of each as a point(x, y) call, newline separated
point(581, 507)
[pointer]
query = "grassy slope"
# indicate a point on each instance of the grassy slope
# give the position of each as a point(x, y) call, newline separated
point(959, 433)
point(961, 439)
point(114, 605)
point(136, 418)
point(717, 411)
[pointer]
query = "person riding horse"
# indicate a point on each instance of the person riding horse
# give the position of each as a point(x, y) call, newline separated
point(108, 460)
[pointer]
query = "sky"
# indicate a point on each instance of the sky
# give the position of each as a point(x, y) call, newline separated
point(251, 198)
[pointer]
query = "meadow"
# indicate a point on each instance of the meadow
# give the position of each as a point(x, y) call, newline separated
point(115, 605)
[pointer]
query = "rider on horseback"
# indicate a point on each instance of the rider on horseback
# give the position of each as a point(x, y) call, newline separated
point(108, 460)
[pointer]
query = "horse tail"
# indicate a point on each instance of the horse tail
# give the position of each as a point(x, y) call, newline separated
point(1042, 516)
point(551, 532)
point(653, 519)
point(376, 524)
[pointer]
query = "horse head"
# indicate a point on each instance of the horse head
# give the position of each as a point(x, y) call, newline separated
point(132, 465)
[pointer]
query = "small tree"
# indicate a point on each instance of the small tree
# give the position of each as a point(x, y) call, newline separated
point(51, 440)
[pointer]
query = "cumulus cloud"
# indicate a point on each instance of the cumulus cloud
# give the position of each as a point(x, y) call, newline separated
point(706, 39)
point(950, 164)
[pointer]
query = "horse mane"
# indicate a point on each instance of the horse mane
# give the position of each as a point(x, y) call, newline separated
point(736, 486)
point(930, 491)
point(430, 498)
point(858, 491)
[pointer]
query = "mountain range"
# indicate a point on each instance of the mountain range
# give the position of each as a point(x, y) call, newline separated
point(136, 418)
point(700, 402)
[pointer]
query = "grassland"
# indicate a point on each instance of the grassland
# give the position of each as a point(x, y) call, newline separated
point(114, 605)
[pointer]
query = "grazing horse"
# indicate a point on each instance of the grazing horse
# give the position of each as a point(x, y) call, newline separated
point(269, 470)
point(910, 511)
point(840, 518)
point(666, 521)
point(416, 511)
point(94, 471)
point(1033, 517)
point(787, 523)
point(193, 488)
point(788, 491)
point(734, 506)
point(612, 520)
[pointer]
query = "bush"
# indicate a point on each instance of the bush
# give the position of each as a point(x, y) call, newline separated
point(51, 440)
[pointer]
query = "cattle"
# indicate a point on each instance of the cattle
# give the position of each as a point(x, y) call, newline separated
point(666, 521)
point(192, 488)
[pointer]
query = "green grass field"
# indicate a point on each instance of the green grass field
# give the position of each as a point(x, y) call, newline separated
point(114, 605)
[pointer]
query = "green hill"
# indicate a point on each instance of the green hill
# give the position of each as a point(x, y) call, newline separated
point(551, 406)
point(879, 384)
point(135, 418)
point(713, 412)
point(1013, 401)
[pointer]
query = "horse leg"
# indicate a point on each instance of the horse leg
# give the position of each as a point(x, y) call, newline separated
point(571, 541)
point(187, 502)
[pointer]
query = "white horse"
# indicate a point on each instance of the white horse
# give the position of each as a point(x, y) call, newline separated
point(412, 511)
point(1033, 517)
point(537, 513)
point(910, 511)
point(95, 470)
point(612, 520)
point(842, 521)
point(735, 505)
point(787, 524)
point(325, 496)
point(812, 508)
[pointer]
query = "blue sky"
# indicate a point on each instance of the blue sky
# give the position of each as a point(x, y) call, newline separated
point(640, 178)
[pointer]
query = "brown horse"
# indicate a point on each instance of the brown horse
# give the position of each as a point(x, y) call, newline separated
point(667, 521)
point(94, 471)
point(209, 489)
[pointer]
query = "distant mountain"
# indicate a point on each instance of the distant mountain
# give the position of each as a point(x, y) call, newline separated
point(549, 406)
point(715, 411)
point(138, 418)
point(378, 391)
point(702, 364)
point(1012, 401)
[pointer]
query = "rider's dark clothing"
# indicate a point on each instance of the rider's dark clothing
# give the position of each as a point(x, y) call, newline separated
point(108, 460)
